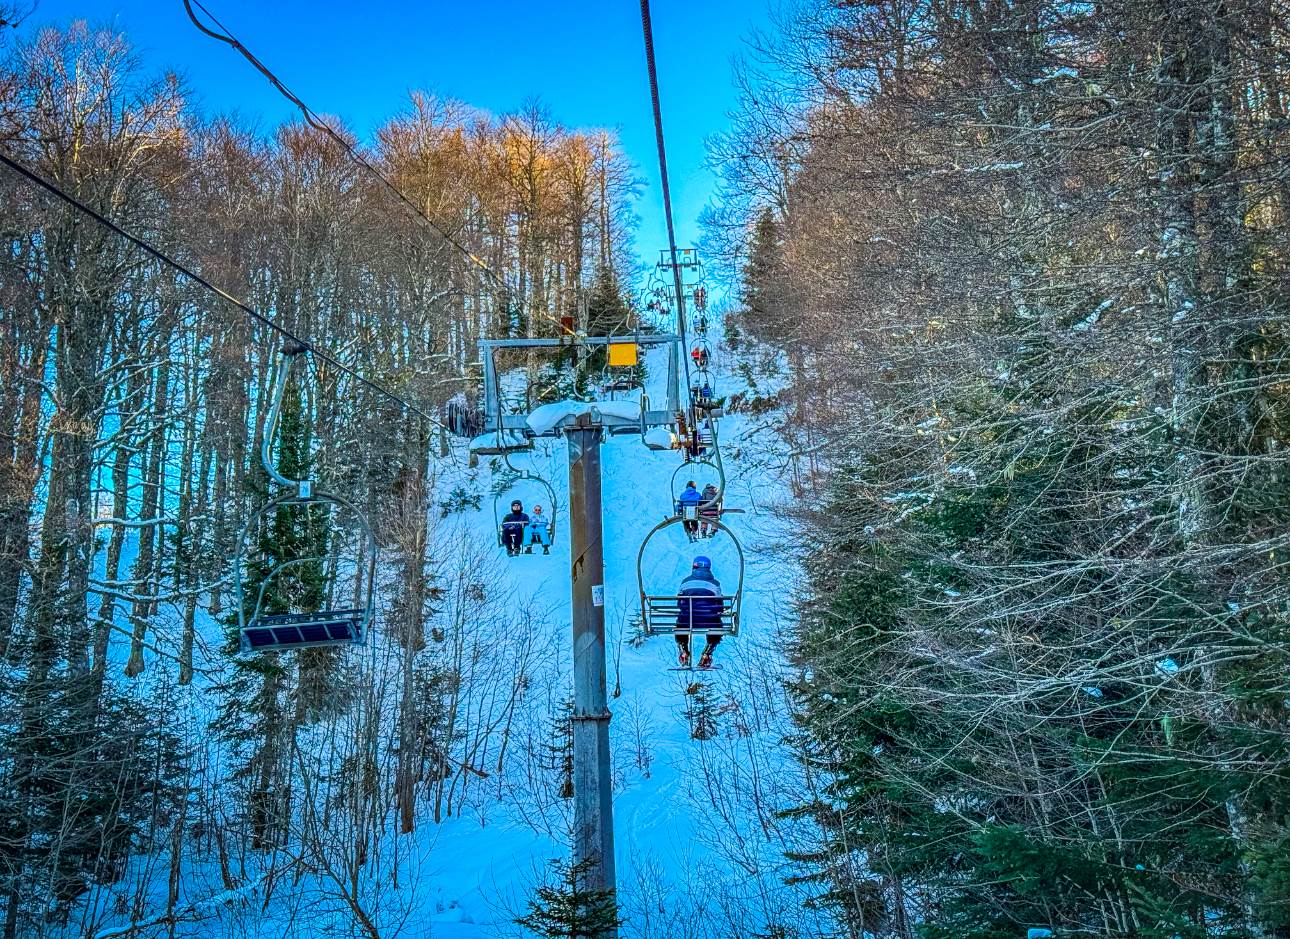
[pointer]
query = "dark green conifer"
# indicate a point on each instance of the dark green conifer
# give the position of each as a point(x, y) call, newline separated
point(567, 909)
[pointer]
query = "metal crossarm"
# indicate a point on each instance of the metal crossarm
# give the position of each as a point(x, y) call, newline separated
point(496, 420)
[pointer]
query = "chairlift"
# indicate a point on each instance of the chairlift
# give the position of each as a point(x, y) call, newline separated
point(503, 441)
point(312, 625)
point(700, 434)
point(703, 394)
point(701, 376)
point(701, 355)
point(710, 459)
point(665, 612)
point(615, 381)
point(503, 499)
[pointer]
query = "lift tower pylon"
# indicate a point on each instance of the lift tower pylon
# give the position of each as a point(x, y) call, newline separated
point(584, 427)
point(593, 808)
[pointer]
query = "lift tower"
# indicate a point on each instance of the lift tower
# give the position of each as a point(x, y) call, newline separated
point(593, 808)
point(585, 428)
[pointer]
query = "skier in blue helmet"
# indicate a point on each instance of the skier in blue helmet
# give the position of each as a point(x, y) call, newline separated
point(698, 610)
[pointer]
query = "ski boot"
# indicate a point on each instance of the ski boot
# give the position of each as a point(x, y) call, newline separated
point(684, 659)
point(705, 660)
point(546, 549)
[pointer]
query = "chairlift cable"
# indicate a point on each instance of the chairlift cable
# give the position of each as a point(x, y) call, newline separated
point(647, 30)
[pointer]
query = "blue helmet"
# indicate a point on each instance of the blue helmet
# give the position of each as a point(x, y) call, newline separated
point(702, 563)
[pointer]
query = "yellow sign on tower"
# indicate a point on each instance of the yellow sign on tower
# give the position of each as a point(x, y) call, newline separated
point(623, 354)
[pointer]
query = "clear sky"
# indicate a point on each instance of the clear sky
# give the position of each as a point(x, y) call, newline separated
point(358, 60)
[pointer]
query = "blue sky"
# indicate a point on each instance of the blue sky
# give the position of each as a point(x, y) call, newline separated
point(584, 58)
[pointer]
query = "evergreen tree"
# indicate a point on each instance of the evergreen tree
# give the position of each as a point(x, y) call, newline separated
point(566, 909)
point(764, 305)
point(608, 314)
point(1127, 794)
point(701, 711)
point(559, 750)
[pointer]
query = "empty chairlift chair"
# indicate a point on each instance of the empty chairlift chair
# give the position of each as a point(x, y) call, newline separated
point(311, 621)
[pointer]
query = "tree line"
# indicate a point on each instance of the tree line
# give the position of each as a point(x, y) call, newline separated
point(132, 413)
point(1024, 264)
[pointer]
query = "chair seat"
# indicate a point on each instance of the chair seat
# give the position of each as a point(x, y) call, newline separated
point(302, 630)
point(500, 449)
point(661, 614)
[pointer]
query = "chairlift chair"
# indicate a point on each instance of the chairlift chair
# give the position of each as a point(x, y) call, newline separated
point(321, 625)
point(665, 613)
point(687, 468)
point(505, 443)
point(505, 497)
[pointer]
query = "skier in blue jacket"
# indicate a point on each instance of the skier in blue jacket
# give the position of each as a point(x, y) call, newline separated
point(699, 609)
point(537, 532)
point(690, 498)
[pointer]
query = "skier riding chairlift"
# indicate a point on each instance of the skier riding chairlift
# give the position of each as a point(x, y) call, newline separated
point(699, 605)
point(537, 532)
point(513, 526)
point(705, 399)
point(709, 511)
point(687, 506)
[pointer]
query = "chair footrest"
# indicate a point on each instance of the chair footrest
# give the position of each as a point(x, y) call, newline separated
point(322, 616)
point(724, 630)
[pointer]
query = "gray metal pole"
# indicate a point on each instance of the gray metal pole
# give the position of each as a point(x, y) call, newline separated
point(593, 810)
point(673, 377)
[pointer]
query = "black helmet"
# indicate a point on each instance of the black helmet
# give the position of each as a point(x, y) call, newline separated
point(517, 504)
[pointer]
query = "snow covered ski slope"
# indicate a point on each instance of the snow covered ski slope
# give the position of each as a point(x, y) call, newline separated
point(695, 840)
point(700, 763)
